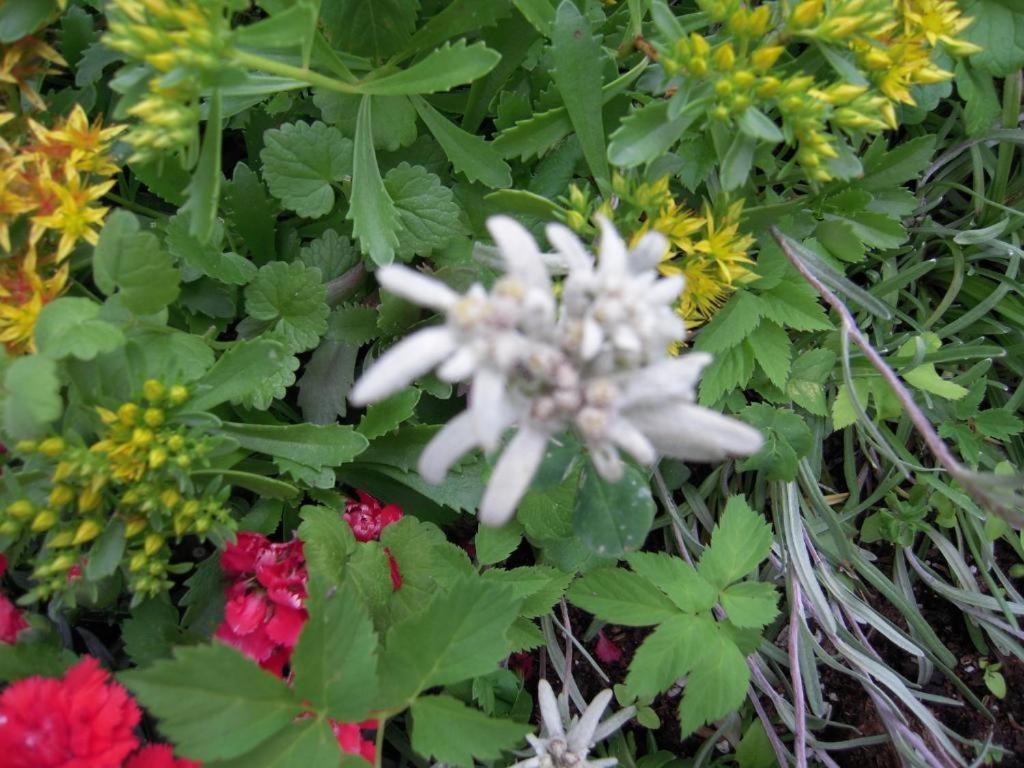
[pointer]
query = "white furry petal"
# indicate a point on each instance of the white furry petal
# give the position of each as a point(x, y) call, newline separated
point(410, 358)
point(512, 475)
point(416, 287)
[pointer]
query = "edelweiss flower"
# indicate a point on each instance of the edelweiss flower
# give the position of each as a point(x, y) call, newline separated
point(565, 742)
point(595, 361)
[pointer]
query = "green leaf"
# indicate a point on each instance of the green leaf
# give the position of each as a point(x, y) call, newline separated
point(316, 446)
point(773, 351)
point(389, 414)
point(577, 58)
point(394, 124)
point(469, 154)
point(540, 586)
point(20, 18)
point(998, 29)
point(676, 578)
point(731, 324)
point(132, 263)
point(456, 18)
point(308, 742)
point(207, 258)
point(373, 215)
point(458, 634)
point(754, 749)
point(806, 386)
point(447, 730)
point(331, 253)
point(25, 659)
point(326, 381)
point(717, 685)
point(31, 396)
point(843, 411)
point(738, 161)
point(212, 701)
point(613, 518)
point(352, 324)
point(978, 90)
point(647, 133)
point(300, 163)
point(668, 653)
point(151, 632)
point(998, 423)
point(292, 297)
point(237, 373)
point(750, 603)
point(427, 211)
point(273, 386)
point(728, 371)
point(741, 539)
point(621, 597)
point(787, 438)
point(794, 304)
point(327, 543)
point(252, 212)
point(376, 28)
point(203, 192)
point(757, 125)
point(68, 327)
point(493, 545)
point(903, 163)
point(442, 69)
point(335, 661)
point(105, 553)
point(540, 13)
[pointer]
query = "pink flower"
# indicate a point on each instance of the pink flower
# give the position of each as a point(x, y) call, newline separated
point(158, 756)
point(350, 739)
point(367, 517)
point(80, 721)
point(264, 612)
point(12, 621)
point(606, 650)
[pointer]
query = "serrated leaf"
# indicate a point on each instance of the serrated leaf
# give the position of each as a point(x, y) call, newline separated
point(212, 701)
point(613, 518)
point(151, 632)
point(469, 154)
point(331, 253)
point(998, 30)
point(750, 603)
point(731, 324)
point(373, 215)
point(394, 124)
point(728, 371)
point(621, 597)
point(353, 325)
point(902, 163)
point(426, 209)
point(327, 543)
point(668, 654)
point(676, 578)
point(300, 162)
point(387, 415)
point(540, 586)
point(493, 545)
point(69, 327)
point(447, 730)
point(375, 28)
point(795, 305)
point(203, 191)
point(237, 372)
point(773, 351)
point(132, 264)
point(273, 386)
point(309, 743)
point(334, 665)
point(998, 423)
point(207, 258)
point(252, 212)
point(31, 396)
point(716, 686)
point(458, 634)
point(787, 439)
point(648, 133)
point(293, 298)
point(106, 551)
point(807, 378)
point(326, 381)
point(740, 541)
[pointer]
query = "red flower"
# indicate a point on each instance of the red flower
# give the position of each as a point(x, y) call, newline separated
point(350, 739)
point(396, 577)
point(606, 650)
point(264, 612)
point(80, 721)
point(158, 756)
point(367, 517)
point(12, 621)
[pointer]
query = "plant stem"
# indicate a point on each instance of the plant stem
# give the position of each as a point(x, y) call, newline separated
point(379, 750)
point(275, 67)
point(1011, 118)
point(799, 705)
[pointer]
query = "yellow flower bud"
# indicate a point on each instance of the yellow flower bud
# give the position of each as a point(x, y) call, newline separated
point(701, 47)
point(764, 58)
point(177, 394)
point(60, 539)
point(63, 470)
point(153, 390)
point(138, 562)
point(844, 92)
point(720, 112)
point(52, 447)
point(183, 461)
point(181, 524)
point(170, 498)
point(88, 499)
point(723, 87)
point(190, 508)
point(725, 56)
point(759, 21)
point(141, 437)
point(8, 528)
point(202, 525)
point(106, 415)
point(134, 526)
point(698, 67)
point(806, 13)
point(61, 495)
point(21, 509)
point(25, 446)
point(44, 521)
point(62, 563)
point(153, 417)
point(176, 442)
point(744, 78)
point(152, 543)
point(157, 458)
point(87, 531)
point(127, 414)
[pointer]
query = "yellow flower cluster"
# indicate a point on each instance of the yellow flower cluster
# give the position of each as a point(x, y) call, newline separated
point(51, 178)
point(708, 249)
point(756, 63)
point(185, 44)
point(134, 476)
